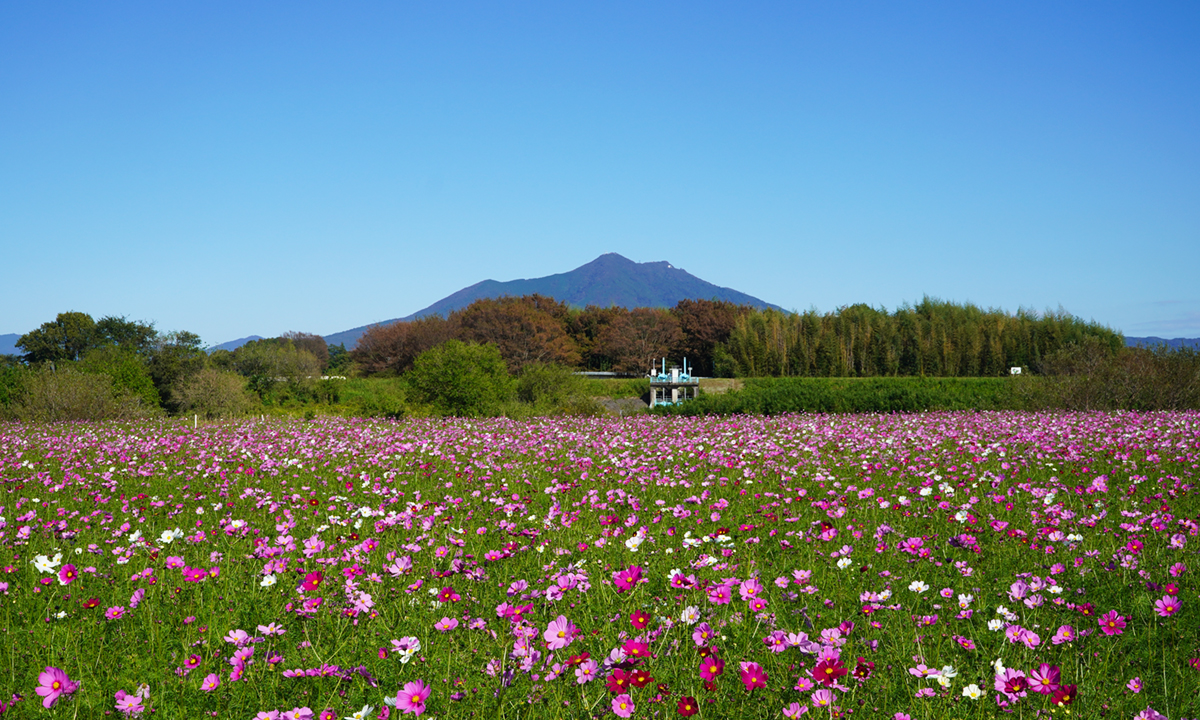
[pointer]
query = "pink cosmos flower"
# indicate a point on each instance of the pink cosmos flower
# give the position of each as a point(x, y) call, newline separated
point(1065, 634)
point(1134, 685)
point(412, 698)
point(114, 613)
point(448, 595)
point(1168, 606)
point(586, 672)
point(1045, 679)
point(753, 676)
point(237, 637)
point(622, 705)
point(794, 710)
point(129, 704)
point(446, 624)
point(1012, 683)
point(1111, 623)
point(719, 595)
point(211, 682)
point(823, 698)
point(559, 633)
point(702, 634)
point(53, 683)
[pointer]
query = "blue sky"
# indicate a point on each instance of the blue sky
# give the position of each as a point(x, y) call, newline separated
point(254, 168)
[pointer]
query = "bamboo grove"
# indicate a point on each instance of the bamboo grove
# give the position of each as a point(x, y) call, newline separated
point(933, 338)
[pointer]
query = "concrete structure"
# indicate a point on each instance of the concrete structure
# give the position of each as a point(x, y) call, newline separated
point(673, 386)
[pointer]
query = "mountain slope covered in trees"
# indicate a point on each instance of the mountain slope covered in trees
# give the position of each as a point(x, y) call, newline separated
point(608, 281)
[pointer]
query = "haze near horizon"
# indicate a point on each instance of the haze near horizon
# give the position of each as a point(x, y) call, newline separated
point(235, 170)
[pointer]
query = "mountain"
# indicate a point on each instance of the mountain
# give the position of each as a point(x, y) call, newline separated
point(606, 281)
point(1174, 344)
point(235, 344)
point(8, 344)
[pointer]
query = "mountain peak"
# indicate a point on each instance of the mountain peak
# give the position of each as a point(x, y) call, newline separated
point(609, 280)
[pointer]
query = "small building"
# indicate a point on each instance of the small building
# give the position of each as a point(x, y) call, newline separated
point(672, 386)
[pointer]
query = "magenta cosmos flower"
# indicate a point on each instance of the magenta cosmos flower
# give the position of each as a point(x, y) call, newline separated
point(412, 698)
point(312, 581)
point(711, 668)
point(1112, 623)
point(67, 574)
point(53, 684)
point(1045, 679)
point(753, 676)
point(626, 579)
point(1168, 606)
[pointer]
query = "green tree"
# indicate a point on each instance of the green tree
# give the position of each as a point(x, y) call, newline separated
point(67, 337)
point(127, 334)
point(175, 356)
point(128, 372)
point(461, 379)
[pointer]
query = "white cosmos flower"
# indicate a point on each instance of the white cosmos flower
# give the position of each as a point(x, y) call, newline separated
point(972, 691)
point(917, 586)
point(691, 615)
point(635, 541)
point(996, 624)
point(844, 563)
point(362, 714)
point(267, 581)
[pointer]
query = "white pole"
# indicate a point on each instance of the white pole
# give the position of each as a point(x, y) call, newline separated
point(195, 421)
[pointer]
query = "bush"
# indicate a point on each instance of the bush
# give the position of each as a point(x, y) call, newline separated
point(47, 395)
point(1088, 376)
point(127, 371)
point(554, 389)
point(461, 379)
point(773, 396)
point(214, 394)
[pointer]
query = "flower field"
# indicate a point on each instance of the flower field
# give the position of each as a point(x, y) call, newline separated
point(942, 565)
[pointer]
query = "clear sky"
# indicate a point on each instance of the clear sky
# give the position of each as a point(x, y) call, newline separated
point(237, 168)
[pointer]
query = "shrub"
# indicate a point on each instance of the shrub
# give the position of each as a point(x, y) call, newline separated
point(48, 395)
point(552, 389)
point(127, 371)
point(461, 379)
point(214, 394)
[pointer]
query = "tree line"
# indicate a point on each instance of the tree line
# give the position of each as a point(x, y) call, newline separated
point(75, 367)
point(516, 356)
point(932, 338)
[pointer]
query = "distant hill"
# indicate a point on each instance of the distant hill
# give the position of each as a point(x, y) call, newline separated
point(8, 344)
point(1174, 344)
point(235, 344)
point(606, 281)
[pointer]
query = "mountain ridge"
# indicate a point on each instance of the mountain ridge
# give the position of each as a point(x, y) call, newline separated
point(609, 280)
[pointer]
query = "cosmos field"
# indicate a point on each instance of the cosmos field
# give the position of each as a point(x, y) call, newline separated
point(941, 565)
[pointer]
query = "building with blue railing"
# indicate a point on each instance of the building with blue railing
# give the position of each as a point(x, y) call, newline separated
point(671, 386)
